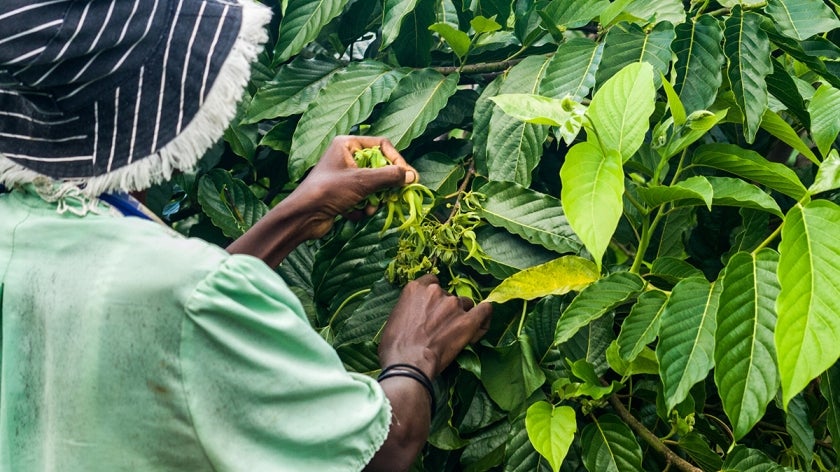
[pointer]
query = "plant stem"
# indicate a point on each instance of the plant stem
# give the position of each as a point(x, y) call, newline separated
point(522, 318)
point(480, 68)
point(670, 456)
point(461, 189)
point(769, 239)
point(347, 300)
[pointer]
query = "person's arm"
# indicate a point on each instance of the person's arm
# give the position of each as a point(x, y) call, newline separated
point(427, 329)
point(334, 187)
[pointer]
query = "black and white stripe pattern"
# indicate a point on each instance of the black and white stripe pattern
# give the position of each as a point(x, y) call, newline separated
point(88, 87)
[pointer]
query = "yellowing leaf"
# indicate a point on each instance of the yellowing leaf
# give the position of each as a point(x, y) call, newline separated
point(563, 275)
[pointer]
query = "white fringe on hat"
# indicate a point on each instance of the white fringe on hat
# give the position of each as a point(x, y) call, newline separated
point(184, 151)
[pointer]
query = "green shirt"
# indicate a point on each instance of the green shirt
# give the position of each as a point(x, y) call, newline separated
point(128, 347)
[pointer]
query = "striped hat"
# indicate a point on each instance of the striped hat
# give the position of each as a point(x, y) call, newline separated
point(117, 94)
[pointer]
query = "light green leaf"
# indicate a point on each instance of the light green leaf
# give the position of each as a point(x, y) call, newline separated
point(229, 203)
point(571, 70)
point(751, 166)
point(745, 356)
point(775, 125)
point(568, 273)
point(697, 189)
point(551, 430)
point(824, 123)
point(394, 11)
point(699, 61)
point(629, 44)
point(595, 301)
point(641, 326)
point(302, 22)
point(593, 185)
point(564, 14)
point(828, 175)
point(417, 100)
point(346, 100)
point(481, 24)
point(697, 125)
point(291, 90)
point(801, 19)
point(514, 148)
point(537, 217)
point(687, 337)
point(533, 108)
point(457, 39)
point(610, 446)
point(808, 328)
point(730, 191)
point(620, 109)
point(674, 102)
point(591, 386)
point(658, 11)
point(644, 363)
point(748, 50)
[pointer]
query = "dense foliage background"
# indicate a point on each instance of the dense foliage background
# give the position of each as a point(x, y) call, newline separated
point(653, 187)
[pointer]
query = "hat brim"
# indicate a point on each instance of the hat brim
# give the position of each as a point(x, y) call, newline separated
point(158, 119)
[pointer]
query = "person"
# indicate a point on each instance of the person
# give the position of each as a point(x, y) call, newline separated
point(125, 346)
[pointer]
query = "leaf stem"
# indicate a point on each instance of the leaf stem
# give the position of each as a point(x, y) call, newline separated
point(522, 318)
point(347, 300)
point(670, 456)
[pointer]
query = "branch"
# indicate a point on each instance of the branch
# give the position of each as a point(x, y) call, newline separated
point(480, 68)
point(650, 438)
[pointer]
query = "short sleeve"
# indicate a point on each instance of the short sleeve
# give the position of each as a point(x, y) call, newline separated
point(265, 391)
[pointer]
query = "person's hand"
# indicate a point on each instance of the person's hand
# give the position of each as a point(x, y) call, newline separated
point(336, 185)
point(428, 327)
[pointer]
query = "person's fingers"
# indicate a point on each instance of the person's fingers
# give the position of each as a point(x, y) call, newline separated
point(383, 177)
point(466, 303)
point(427, 280)
point(391, 153)
point(479, 317)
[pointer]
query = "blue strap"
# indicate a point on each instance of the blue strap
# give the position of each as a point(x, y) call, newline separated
point(125, 204)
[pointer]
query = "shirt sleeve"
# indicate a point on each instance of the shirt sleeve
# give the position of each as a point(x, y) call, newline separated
point(265, 391)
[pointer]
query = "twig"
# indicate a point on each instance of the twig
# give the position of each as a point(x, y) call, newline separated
point(480, 68)
point(650, 438)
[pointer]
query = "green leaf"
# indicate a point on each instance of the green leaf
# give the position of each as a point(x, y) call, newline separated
point(794, 48)
point(830, 390)
point(571, 71)
point(593, 185)
point(482, 114)
point(673, 269)
point(782, 86)
point(641, 326)
point(595, 301)
point(367, 319)
point(730, 191)
point(439, 172)
point(292, 89)
point(748, 50)
point(699, 61)
point(415, 103)
point(394, 11)
point(752, 166)
point(658, 11)
point(413, 45)
point(630, 44)
point(697, 125)
point(591, 386)
point(568, 273)
point(798, 425)
point(229, 203)
point(808, 328)
point(644, 363)
point(507, 254)
point(457, 39)
point(533, 108)
point(696, 188)
point(302, 22)
point(610, 446)
point(801, 19)
point(828, 175)
point(511, 374)
point(674, 102)
point(514, 148)
point(590, 343)
point(687, 337)
point(620, 109)
point(775, 125)
point(481, 24)
point(564, 14)
point(745, 356)
point(346, 100)
point(701, 452)
point(824, 124)
point(537, 217)
point(551, 430)
point(744, 459)
point(520, 454)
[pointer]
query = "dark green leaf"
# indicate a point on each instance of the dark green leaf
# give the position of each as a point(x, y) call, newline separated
point(229, 203)
point(393, 13)
point(641, 326)
point(511, 374)
point(571, 70)
point(369, 316)
point(628, 43)
point(292, 89)
point(610, 446)
point(801, 19)
point(302, 22)
point(701, 452)
point(799, 427)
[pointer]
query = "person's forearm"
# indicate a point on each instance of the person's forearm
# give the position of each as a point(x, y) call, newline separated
point(410, 419)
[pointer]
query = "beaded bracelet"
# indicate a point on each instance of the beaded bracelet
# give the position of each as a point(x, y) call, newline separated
point(412, 372)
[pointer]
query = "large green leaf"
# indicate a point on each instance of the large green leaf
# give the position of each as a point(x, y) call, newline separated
point(302, 22)
point(393, 13)
point(482, 113)
point(367, 319)
point(610, 446)
point(290, 91)
point(658, 11)
point(752, 166)
point(537, 217)
point(628, 43)
point(346, 100)
point(551, 430)
point(745, 356)
point(828, 175)
point(564, 14)
point(744, 459)
point(830, 390)
point(801, 19)
point(641, 326)
point(782, 86)
point(513, 147)
point(557, 277)
point(413, 45)
point(229, 203)
point(416, 101)
point(794, 48)
point(798, 426)
point(511, 374)
point(593, 185)
point(824, 123)
point(507, 254)
point(729, 191)
point(748, 50)
point(571, 70)
point(620, 109)
point(595, 301)
point(778, 127)
point(697, 189)
point(809, 273)
point(687, 337)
